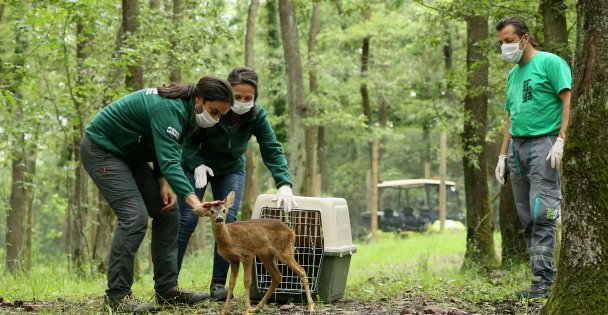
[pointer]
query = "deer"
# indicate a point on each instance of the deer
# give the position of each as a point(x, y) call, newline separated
point(242, 241)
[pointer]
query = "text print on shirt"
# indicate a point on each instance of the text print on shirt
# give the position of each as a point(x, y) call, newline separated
point(527, 90)
point(172, 131)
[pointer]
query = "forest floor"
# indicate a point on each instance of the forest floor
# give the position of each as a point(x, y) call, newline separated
point(398, 274)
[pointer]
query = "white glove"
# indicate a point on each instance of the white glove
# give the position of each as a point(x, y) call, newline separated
point(556, 153)
point(200, 175)
point(500, 169)
point(286, 197)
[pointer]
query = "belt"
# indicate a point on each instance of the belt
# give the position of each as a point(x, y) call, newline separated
point(531, 137)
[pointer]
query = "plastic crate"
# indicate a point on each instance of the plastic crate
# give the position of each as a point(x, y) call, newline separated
point(323, 247)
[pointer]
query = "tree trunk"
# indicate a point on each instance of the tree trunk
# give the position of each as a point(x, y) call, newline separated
point(30, 168)
point(104, 226)
point(154, 5)
point(555, 28)
point(367, 111)
point(275, 91)
point(18, 199)
point(581, 278)
point(103, 235)
point(178, 17)
point(78, 199)
point(426, 150)
point(14, 221)
point(511, 231)
point(480, 227)
point(322, 163)
point(130, 25)
point(295, 93)
point(310, 179)
point(251, 189)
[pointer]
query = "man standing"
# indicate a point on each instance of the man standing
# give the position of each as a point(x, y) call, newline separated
point(538, 109)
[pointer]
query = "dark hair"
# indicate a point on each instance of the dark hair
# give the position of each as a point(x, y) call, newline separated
point(242, 75)
point(521, 28)
point(210, 88)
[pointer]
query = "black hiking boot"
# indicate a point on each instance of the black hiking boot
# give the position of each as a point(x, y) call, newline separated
point(127, 304)
point(218, 292)
point(537, 290)
point(176, 295)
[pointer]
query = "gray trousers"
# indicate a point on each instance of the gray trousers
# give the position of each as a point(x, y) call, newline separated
point(536, 188)
point(133, 192)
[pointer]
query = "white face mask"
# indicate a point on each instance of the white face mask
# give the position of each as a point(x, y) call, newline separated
point(204, 120)
point(241, 108)
point(511, 52)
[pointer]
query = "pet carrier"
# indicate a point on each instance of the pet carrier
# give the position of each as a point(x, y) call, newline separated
point(323, 247)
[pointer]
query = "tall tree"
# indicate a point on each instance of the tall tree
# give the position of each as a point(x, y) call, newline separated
point(555, 28)
point(276, 90)
point(18, 199)
point(78, 199)
point(374, 145)
point(251, 189)
point(311, 185)
point(581, 278)
point(130, 26)
point(178, 18)
point(295, 92)
point(480, 227)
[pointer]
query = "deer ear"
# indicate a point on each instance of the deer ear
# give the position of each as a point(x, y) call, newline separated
point(229, 199)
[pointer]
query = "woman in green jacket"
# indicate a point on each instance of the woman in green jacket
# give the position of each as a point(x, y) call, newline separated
point(149, 126)
point(220, 152)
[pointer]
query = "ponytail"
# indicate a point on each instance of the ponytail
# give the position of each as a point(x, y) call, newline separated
point(208, 87)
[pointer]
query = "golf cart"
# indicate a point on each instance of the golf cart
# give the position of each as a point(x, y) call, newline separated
point(413, 205)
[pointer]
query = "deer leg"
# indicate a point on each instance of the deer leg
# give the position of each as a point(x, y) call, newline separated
point(234, 271)
point(287, 258)
point(275, 275)
point(247, 269)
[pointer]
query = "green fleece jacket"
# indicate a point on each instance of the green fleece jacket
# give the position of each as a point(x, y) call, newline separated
point(222, 147)
point(145, 127)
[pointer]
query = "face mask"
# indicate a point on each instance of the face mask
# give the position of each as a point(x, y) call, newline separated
point(204, 120)
point(511, 52)
point(241, 108)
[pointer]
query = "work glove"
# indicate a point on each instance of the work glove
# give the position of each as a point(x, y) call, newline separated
point(200, 175)
point(500, 169)
point(556, 153)
point(285, 196)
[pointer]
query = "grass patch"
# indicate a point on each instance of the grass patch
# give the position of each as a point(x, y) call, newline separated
point(396, 267)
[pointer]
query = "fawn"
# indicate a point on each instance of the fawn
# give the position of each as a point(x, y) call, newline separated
point(241, 241)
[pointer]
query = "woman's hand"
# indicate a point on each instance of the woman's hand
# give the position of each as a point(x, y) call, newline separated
point(166, 194)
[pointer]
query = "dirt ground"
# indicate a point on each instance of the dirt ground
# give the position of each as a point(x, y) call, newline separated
point(404, 304)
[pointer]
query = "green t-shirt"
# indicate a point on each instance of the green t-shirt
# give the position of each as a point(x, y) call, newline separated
point(533, 95)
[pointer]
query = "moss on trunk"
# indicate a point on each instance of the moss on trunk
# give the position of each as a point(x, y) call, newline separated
point(581, 286)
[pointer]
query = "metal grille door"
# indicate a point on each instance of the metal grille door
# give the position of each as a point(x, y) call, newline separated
point(308, 250)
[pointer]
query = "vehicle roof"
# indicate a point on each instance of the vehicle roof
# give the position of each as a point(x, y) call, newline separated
point(413, 183)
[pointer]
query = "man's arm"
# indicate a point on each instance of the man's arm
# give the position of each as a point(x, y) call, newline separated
point(504, 149)
point(565, 95)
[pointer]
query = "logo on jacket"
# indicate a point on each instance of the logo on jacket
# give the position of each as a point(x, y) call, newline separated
point(151, 91)
point(172, 131)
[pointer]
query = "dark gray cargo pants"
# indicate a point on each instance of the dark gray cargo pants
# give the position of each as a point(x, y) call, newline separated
point(536, 188)
point(134, 194)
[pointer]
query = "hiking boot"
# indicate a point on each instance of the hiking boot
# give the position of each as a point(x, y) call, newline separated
point(176, 295)
point(537, 290)
point(127, 304)
point(218, 292)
